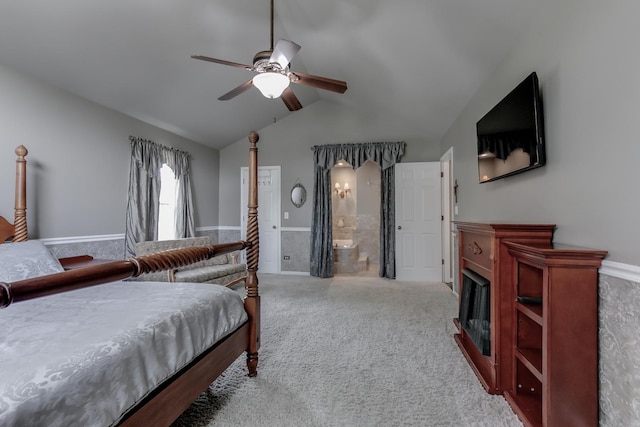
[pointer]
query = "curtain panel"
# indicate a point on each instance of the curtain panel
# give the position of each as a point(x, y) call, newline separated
point(180, 163)
point(143, 197)
point(385, 154)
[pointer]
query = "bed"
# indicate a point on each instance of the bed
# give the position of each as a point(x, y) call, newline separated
point(89, 347)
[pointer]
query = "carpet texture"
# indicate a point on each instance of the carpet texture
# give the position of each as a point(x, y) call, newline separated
point(352, 351)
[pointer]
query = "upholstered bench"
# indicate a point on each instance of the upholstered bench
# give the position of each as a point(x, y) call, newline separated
point(222, 269)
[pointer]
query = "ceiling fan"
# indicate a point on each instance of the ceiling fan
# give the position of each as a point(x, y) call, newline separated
point(274, 75)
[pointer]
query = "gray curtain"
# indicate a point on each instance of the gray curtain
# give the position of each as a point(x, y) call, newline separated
point(385, 154)
point(388, 223)
point(143, 198)
point(179, 162)
point(321, 220)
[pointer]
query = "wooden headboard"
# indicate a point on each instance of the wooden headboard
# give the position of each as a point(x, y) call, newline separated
point(18, 230)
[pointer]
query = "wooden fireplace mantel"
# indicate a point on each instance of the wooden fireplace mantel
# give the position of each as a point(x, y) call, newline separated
point(482, 249)
point(543, 321)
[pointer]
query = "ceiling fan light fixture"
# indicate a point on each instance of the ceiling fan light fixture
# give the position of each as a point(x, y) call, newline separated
point(271, 84)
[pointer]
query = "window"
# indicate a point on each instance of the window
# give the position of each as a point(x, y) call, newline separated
point(147, 179)
point(168, 195)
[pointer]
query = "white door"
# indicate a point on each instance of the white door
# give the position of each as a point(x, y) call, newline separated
point(268, 215)
point(418, 217)
point(446, 167)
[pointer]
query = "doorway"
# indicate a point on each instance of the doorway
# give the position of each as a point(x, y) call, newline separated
point(269, 217)
point(448, 246)
point(418, 222)
point(386, 154)
point(355, 206)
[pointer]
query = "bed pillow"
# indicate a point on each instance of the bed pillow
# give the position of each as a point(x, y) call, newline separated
point(23, 260)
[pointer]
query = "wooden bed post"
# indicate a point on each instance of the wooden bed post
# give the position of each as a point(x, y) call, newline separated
point(20, 215)
point(252, 300)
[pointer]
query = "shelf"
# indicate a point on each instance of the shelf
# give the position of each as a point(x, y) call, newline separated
point(555, 315)
point(527, 407)
point(531, 358)
point(532, 311)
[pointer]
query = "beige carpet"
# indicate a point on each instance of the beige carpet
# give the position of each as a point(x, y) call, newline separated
point(352, 351)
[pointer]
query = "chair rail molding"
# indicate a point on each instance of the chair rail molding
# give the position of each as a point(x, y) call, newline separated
point(81, 239)
point(219, 227)
point(621, 270)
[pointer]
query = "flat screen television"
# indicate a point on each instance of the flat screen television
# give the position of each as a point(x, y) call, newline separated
point(511, 135)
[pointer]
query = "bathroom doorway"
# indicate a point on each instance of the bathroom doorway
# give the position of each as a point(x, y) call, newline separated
point(355, 208)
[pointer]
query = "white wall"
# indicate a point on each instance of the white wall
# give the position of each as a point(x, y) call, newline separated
point(78, 161)
point(585, 54)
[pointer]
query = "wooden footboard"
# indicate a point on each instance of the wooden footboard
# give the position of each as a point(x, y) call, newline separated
point(166, 403)
point(111, 271)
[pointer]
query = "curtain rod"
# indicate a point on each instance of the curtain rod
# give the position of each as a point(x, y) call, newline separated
point(356, 143)
point(137, 138)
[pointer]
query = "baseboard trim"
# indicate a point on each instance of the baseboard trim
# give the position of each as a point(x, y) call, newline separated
point(621, 271)
point(220, 227)
point(295, 273)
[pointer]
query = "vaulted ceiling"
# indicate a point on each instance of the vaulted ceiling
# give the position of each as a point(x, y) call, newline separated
point(418, 60)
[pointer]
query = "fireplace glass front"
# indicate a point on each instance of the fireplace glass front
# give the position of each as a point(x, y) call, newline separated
point(475, 310)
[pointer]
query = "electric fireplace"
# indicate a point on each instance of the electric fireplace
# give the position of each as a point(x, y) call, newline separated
point(486, 292)
point(475, 310)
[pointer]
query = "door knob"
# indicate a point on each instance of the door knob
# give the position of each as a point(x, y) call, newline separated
point(399, 227)
point(274, 227)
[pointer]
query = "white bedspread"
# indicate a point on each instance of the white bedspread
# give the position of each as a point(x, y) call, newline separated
point(83, 358)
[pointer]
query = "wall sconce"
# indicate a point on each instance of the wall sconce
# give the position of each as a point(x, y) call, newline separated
point(342, 191)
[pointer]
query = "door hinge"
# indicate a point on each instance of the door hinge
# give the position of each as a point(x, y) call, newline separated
point(441, 174)
point(443, 261)
point(441, 217)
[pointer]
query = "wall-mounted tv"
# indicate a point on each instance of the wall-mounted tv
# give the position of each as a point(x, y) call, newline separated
point(511, 135)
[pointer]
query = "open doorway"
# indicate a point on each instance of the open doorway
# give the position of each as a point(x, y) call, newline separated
point(355, 208)
point(325, 157)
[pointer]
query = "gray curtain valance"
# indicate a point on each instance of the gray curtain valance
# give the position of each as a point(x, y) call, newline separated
point(385, 154)
point(151, 156)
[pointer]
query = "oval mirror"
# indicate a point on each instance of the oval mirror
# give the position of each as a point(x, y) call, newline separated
point(298, 195)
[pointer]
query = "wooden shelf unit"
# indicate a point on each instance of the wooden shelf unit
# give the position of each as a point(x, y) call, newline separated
point(481, 248)
point(554, 345)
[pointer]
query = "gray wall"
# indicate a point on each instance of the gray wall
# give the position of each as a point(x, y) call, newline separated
point(78, 162)
point(584, 52)
point(288, 143)
point(585, 55)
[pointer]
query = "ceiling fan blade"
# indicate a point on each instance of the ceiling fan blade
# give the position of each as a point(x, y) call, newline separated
point(237, 91)
point(284, 52)
point(222, 61)
point(290, 100)
point(325, 83)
